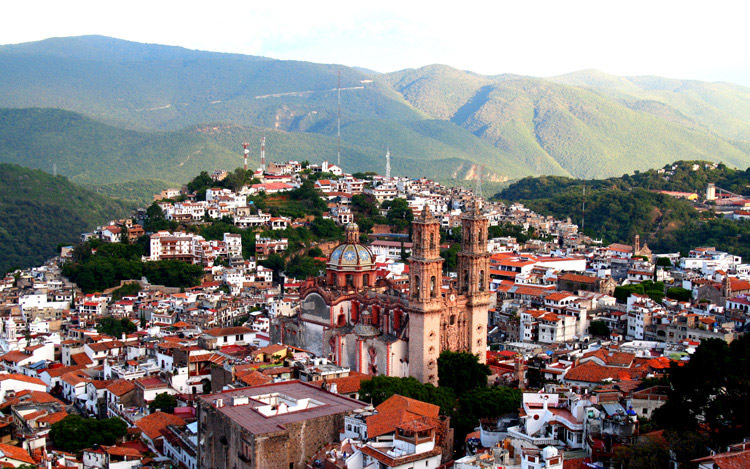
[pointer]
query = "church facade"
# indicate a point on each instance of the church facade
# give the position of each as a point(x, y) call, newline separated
point(374, 327)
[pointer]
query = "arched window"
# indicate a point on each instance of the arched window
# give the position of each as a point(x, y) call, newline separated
point(432, 240)
point(466, 281)
point(433, 287)
point(350, 280)
point(481, 280)
point(415, 293)
point(366, 280)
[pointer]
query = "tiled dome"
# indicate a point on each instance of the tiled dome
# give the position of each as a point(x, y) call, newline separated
point(351, 255)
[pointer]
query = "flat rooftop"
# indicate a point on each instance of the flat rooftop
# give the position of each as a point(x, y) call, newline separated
point(268, 408)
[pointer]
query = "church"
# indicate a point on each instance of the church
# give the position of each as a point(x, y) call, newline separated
point(365, 323)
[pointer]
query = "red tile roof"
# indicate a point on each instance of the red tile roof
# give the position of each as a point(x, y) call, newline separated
point(121, 387)
point(80, 359)
point(23, 378)
point(396, 410)
point(14, 452)
point(15, 356)
point(224, 331)
point(732, 460)
point(349, 384)
point(154, 425)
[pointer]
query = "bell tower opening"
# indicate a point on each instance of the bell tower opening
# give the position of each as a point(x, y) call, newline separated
point(425, 263)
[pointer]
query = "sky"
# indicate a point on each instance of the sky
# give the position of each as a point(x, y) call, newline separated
point(677, 39)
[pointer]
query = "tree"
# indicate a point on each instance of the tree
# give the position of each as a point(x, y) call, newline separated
point(114, 327)
point(484, 402)
point(155, 219)
point(647, 453)
point(274, 262)
point(711, 392)
point(164, 402)
point(325, 228)
point(399, 214)
point(679, 294)
point(599, 329)
point(199, 184)
point(74, 433)
point(461, 371)
point(451, 257)
point(663, 262)
point(304, 267)
point(380, 388)
point(315, 252)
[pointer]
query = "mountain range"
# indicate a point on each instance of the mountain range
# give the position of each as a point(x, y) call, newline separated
point(157, 115)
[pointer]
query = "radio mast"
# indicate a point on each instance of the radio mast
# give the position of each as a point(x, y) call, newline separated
point(263, 154)
point(246, 151)
point(338, 123)
point(388, 164)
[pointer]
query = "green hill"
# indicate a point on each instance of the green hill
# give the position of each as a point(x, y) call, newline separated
point(573, 126)
point(126, 163)
point(39, 211)
point(617, 208)
point(723, 108)
point(585, 124)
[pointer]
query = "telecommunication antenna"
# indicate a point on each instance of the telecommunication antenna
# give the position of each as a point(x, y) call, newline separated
point(54, 169)
point(246, 151)
point(338, 123)
point(388, 164)
point(263, 154)
point(478, 187)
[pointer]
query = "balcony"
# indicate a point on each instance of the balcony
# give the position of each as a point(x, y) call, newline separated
point(516, 432)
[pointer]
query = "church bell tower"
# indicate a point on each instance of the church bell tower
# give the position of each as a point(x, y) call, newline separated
point(473, 277)
point(425, 297)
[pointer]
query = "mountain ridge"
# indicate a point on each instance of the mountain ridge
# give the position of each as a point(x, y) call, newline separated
point(583, 124)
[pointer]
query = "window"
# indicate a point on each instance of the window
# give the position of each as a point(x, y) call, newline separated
point(481, 280)
point(433, 287)
point(466, 281)
point(415, 294)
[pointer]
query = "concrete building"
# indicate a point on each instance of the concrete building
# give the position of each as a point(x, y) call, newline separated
point(277, 425)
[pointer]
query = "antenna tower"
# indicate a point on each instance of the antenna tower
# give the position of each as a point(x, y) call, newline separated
point(388, 163)
point(54, 169)
point(246, 151)
point(478, 187)
point(263, 154)
point(338, 123)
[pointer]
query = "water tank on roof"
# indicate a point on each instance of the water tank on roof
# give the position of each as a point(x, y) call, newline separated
point(549, 452)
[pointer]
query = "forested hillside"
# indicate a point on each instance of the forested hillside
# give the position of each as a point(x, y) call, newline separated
point(437, 121)
point(39, 211)
point(571, 127)
point(170, 89)
point(618, 208)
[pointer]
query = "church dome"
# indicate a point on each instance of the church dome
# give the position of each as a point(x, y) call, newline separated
point(351, 255)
